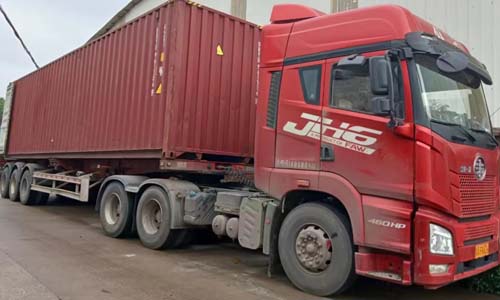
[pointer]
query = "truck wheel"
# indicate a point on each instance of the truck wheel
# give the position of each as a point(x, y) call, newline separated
point(316, 249)
point(116, 211)
point(14, 186)
point(153, 221)
point(4, 182)
point(26, 195)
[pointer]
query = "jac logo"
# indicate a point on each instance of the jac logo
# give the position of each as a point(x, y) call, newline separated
point(388, 224)
point(347, 136)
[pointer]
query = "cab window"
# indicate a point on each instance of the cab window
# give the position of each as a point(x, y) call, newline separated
point(310, 79)
point(351, 89)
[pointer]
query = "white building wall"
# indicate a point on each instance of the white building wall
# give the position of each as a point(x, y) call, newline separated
point(138, 10)
point(146, 5)
point(221, 5)
point(259, 11)
point(476, 23)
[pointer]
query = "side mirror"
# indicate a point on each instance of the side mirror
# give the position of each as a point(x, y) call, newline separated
point(379, 75)
point(381, 106)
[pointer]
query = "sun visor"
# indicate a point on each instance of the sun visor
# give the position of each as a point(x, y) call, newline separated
point(447, 54)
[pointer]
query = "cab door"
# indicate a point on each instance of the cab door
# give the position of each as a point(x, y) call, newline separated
point(299, 119)
point(357, 144)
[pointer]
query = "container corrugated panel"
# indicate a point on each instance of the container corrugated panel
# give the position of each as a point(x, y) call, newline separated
point(219, 88)
point(181, 78)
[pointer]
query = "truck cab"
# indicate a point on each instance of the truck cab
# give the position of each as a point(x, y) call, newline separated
point(380, 117)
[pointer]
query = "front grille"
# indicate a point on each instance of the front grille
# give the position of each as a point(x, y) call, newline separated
point(477, 232)
point(477, 198)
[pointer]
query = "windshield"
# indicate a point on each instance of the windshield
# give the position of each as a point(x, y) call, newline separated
point(452, 99)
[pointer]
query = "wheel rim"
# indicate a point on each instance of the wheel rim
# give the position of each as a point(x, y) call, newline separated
point(313, 248)
point(151, 216)
point(112, 209)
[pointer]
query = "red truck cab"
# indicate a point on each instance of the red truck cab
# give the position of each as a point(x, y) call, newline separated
point(405, 151)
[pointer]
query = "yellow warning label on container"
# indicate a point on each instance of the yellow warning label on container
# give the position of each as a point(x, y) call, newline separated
point(158, 90)
point(220, 52)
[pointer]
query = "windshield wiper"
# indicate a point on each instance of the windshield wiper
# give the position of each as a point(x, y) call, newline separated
point(483, 131)
point(460, 127)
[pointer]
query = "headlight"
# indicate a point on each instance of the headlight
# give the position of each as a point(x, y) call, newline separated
point(441, 240)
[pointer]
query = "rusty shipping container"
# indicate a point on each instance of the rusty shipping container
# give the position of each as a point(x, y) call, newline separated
point(181, 79)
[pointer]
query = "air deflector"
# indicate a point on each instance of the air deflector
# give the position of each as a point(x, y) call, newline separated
point(287, 13)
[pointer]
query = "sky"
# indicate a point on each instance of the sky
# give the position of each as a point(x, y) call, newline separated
point(50, 29)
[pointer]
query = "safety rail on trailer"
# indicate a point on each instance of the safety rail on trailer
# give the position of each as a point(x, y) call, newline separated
point(75, 186)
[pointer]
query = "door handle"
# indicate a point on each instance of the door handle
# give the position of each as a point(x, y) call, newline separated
point(327, 153)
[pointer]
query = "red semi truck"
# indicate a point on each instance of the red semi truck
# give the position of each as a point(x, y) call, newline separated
point(368, 150)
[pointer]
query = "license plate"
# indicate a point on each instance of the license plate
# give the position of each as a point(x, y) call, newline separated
point(482, 250)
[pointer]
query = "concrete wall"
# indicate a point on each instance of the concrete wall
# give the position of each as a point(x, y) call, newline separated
point(222, 5)
point(259, 12)
point(256, 11)
point(476, 23)
point(146, 5)
point(139, 9)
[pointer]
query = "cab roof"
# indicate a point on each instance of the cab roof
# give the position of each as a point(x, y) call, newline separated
point(297, 30)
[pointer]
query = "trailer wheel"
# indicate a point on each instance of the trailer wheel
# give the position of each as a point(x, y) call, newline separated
point(14, 186)
point(116, 211)
point(4, 182)
point(26, 195)
point(316, 249)
point(153, 221)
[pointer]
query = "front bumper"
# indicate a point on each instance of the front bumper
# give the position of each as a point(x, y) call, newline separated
point(467, 234)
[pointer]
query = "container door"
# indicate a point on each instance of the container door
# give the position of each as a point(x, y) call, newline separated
point(359, 145)
point(299, 121)
point(4, 128)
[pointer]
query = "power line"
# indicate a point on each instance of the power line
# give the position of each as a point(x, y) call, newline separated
point(18, 37)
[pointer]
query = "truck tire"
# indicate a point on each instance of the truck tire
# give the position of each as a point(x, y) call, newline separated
point(116, 211)
point(153, 221)
point(316, 249)
point(4, 182)
point(14, 186)
point(26, 195)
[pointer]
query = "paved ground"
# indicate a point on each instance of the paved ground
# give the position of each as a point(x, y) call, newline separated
point(59, 252)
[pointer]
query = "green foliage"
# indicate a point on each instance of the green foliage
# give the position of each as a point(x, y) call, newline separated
point(488, 282)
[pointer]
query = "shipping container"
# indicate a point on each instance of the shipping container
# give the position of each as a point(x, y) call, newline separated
point(180, 80)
